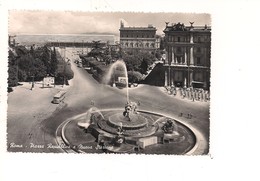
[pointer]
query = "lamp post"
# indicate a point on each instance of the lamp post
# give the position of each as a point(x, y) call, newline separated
point(17, 67)
point(32, 76)
point(32, 82)
point(82, 47)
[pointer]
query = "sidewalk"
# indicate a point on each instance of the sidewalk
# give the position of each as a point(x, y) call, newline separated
point(186, 99)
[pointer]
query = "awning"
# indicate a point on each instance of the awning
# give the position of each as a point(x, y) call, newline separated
point(197, 82)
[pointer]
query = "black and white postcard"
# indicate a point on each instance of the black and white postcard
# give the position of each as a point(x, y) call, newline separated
point(108, 82)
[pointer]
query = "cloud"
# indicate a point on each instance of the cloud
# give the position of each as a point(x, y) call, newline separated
point(62, 22)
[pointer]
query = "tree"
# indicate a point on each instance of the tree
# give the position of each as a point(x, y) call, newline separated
point(12, 70)
point(138, 60)
point(134, 76)
point(33, 63)
point(54, 63)
point(97, 50)
point(144, 66)
point(132, 62)
point(39, 70)
point(12, 76)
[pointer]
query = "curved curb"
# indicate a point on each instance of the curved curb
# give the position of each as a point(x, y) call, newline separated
point(200, 145)
point(198, 149)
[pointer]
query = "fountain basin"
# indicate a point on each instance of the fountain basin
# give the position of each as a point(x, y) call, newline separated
point(135, 121)
point(149, 139)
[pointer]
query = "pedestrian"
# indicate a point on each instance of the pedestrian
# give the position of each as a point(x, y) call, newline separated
point(192, 97)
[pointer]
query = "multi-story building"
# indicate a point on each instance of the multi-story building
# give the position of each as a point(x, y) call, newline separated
point(188, 50)
point(138, 37)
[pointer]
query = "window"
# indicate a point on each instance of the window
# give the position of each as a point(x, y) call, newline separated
point(198, 49)
point(198, 61)
point(178, 59)
point(199, 39)
point(179, 39)
point(198, 76)
point(178, 49)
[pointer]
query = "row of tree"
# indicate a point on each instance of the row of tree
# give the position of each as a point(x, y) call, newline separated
point(137, 61)
point(34, 64)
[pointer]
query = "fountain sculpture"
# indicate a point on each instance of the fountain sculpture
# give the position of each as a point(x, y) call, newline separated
point(122, 130)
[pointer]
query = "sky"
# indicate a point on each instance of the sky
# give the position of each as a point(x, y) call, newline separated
point(67, 22)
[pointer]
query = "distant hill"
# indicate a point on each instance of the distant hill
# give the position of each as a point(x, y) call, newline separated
point(39, 39)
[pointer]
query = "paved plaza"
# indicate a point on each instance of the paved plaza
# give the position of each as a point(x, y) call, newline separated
point(33, 124)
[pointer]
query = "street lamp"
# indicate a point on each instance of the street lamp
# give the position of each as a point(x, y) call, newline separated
point(32, 82)
point(82, 47)
point(17, 67)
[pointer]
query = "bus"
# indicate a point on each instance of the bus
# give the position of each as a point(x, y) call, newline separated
point(58, 97)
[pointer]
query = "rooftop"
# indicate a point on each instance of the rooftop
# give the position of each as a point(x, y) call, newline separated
point(181, 27)
point(138, 28)
point(149, 27)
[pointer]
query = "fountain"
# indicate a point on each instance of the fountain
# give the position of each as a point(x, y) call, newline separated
point(89, 118)
point(111, 75)
point(127, 130)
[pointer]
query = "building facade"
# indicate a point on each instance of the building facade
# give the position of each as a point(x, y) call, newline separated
point(188, 50)
point(138, 37)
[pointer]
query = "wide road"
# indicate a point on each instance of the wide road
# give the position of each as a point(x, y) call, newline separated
point(84, 89)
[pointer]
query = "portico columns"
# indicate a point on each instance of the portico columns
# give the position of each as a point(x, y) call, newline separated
point(172, 77)
point(166, 78)
point(167, 57)
point(191, 78)
point(185, 57)
point(191, 50)
point(191, 56)
point(173, 58)
point(169, 76)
